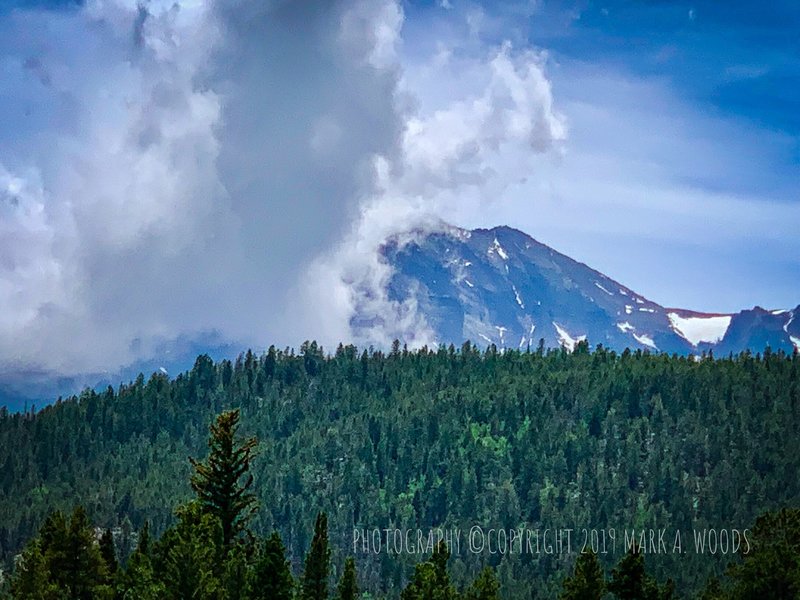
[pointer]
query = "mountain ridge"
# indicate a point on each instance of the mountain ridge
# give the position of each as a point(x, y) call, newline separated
point(492, 286)
point(474, 284)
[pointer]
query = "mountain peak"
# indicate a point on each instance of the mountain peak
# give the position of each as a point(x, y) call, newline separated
point(503, 287)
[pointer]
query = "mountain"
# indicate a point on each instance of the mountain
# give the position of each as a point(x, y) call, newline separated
point(38, 388)
point(500, 286)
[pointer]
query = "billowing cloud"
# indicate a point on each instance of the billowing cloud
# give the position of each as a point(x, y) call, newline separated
point(457, 149)
point(169, 169)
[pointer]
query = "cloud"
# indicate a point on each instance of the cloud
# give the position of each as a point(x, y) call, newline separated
point(686, 206)
point(455, 149)
point(171, 170)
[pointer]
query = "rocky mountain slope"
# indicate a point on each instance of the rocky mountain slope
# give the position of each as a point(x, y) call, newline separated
point(501, 286)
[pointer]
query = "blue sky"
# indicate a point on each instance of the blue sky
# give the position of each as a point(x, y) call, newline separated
point(166, 172)
point(683, 157)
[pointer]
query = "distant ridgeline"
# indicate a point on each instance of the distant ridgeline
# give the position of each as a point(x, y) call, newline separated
point(453, 439)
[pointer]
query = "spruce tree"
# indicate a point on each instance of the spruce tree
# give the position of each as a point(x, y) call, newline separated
point(348, 585)
point(317, 566)
point(109, 552)
point(771, 567)
point(222, 483)
point(485, 586)
point(65, 557)
point(628, 577)
point(74, 558)
point(189, 557)
point(143, 541)
point(271, 577)
point(629, 581)
point(587, 581)
point(31, 579)
point(431, 580)
point(137, 579)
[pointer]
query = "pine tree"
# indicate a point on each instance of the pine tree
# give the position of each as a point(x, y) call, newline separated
point(485, 586)
point(348, 585)
point(138, 579)
point(143, 542)
point(271, 577)
point(109, 552)
point(189, 557)
point(771, 568)
point(587, 581)
point(65, 557)
point(629, 581)
point(82, 567)
point(218, 482)
point(431, 580)
point(31, 580)
point(317, 566)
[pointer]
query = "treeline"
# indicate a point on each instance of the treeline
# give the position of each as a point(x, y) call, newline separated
point(211, 554)
point(436, 438)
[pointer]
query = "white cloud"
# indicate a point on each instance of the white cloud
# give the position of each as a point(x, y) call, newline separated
point(461, 144)
point(175, 168)
point(172, 174)
point(685, 206)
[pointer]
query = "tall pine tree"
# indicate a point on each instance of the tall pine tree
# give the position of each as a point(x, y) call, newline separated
point(109, 552)
point(348, 585)
point(222, 483)
point(318, 559)
point(271, 577)
point(587, 581)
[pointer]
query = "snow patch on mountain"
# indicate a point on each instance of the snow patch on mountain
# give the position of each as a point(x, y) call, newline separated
point(625, 327)
point(496, 247)
point(565, 339)
point(700, 328)
point(602, 288)
point(518, 297)
point(645, 340)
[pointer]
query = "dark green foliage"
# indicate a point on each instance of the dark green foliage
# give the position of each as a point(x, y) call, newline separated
point(188, 558)
point(771, 569)
point(65, 557)
point(236, 571)
point(485, 587)
point(587, 581)
point(217, 482)
point(271, 577)
point(422, 439)
point(32, 579)
point(138, 580)
point(348, 584)
point(143, 545)
point(109, 552)
point(431, 581)
point(629, 581)
point(712, 591)
point(314, 584)
point(192, 560)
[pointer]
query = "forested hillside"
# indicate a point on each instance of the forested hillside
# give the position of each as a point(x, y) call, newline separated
point(542, 439)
